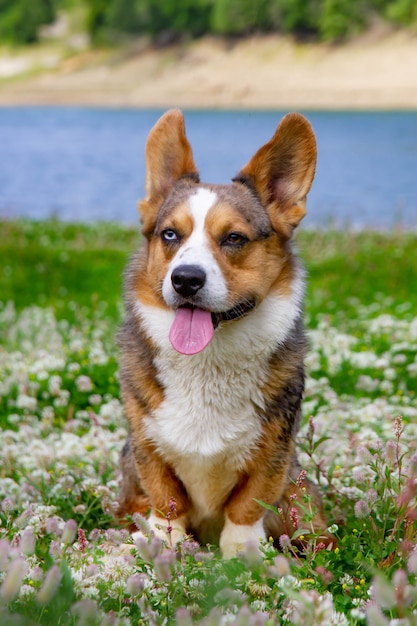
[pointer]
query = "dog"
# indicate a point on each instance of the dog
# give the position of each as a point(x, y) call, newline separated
point(212, 345)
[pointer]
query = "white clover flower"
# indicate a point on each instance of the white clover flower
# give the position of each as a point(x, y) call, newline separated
point(412, 369)
point(367, 383)
point(76, 346)
point(97, 354)
point(26, 402)
point(84, 383)
point(73, 368)
point(48, 413)
point(62, 399)
point(338, 619)
point(54, 385)
point(95, 399)
point(386, 386)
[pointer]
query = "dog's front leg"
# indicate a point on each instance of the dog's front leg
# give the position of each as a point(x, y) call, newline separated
point(169, 502)
point(244, 517)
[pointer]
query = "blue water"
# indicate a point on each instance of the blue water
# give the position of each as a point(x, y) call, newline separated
point(87, 164)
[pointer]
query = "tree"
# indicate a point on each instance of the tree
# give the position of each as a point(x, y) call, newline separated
point(20, 19)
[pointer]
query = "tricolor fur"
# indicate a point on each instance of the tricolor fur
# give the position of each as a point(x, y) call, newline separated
point(213, 345)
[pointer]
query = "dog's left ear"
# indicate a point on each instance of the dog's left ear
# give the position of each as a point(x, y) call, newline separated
point(168, 157)
point(282, 172)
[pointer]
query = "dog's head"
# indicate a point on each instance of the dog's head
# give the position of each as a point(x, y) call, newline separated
point(215, 251)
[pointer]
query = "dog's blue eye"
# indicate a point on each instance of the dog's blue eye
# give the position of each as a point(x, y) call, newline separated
point(169, 235)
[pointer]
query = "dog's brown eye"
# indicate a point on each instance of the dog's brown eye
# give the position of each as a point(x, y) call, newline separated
point(234, 239)
point(170, 236)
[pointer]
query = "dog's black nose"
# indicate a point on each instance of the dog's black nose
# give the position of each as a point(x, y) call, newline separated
point(188, 279)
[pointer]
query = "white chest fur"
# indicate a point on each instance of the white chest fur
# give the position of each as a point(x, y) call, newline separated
point(212, 398)
point(208, 422)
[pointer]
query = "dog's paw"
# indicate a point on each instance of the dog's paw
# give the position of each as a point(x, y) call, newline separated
point(172, 532)
point(235, 537)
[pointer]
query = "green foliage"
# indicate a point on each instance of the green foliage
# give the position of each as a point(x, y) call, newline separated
point(295, 16)
point(341, 18)
point(328, 20)
point(62, 426)
point(403, 12)
point(237, 17)
point(20, 19)
point(114, 20)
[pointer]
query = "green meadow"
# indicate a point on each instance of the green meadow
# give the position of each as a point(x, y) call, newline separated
point(62, 428)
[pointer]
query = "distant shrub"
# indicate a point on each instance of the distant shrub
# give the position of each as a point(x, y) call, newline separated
point(341, 18)
point(402, 11)
point(112, 20)
point(295, 16)
point(20, 19)
point(238, 17)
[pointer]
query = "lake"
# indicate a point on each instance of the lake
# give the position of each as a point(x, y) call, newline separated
point(85, 164)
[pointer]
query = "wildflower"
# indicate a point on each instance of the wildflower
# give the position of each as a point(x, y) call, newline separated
point(183, 617)
point(82, 541)
point(281, 566)
point(390, 453)
point(84, 383)
point(148, 549)
point(135, 584)
point(326, 576)
point(4, 554)
point(189, 547)
point(361, 509)
point(54, 385)
point(284, 542)
point(371, 497)
point(163, 565)
point(95, 399)
point(412, 562)
point(398, 426)
point(55, 550)
point(201, 557)
point(310, 607)
point(27, 542)
point(24, 518)
point(10, 587)
point(36, 574)
point(69, 532)
point(86, 611)
point(375, 617)
point(7, 504)
point(383, 592)
point(109, 619)
point(363, 455)
point(301, 478)
point(412, 465)
point(91, 570)
point(252, 554)
point(50, 585)
point(141, 524)
point(294, 517)
point(26, 402)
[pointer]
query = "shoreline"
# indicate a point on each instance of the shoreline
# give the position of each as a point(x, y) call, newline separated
point(376, 71)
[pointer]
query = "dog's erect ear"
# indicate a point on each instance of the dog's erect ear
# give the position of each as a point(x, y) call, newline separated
point(168, 158)
point(282, 172)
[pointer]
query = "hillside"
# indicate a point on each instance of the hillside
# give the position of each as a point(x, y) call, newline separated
point(378, 70)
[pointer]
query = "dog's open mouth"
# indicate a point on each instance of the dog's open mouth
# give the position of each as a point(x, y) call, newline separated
point(193, 328)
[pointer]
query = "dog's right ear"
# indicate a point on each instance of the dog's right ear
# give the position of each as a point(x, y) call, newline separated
point(168, 157)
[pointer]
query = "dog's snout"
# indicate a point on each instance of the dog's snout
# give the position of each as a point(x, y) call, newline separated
point(188, 279)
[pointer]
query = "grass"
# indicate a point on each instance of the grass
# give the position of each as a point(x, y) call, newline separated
point(62, 428)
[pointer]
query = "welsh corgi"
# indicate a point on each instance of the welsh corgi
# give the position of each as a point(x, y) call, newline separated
point(212, 346)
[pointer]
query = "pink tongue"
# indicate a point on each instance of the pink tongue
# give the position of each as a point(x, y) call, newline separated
point(191, 331)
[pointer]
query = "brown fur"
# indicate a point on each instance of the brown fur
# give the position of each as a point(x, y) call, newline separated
point(265, 203)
